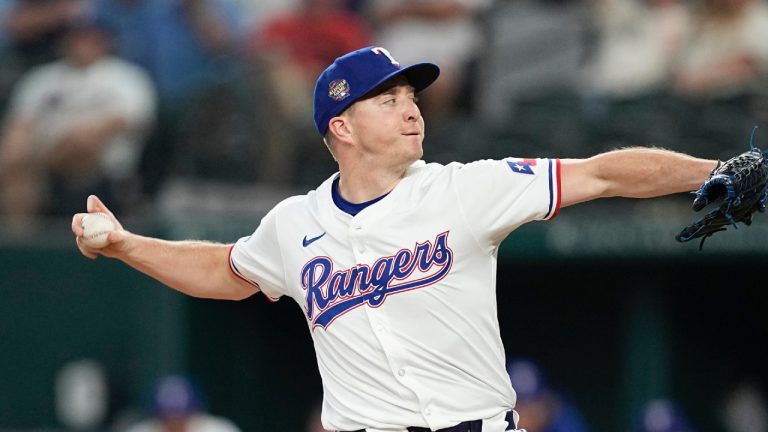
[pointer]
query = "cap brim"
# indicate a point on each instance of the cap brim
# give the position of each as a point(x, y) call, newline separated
point(419, 75)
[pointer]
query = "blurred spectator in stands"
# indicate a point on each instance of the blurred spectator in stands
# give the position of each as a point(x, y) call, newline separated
point(356, 6)
point(535, 49)
point(260, 11)
point(294, 63)
point(82, 395)
point(33, 27)
point(177, 406)
point(294, 48)
point(637, 43)
point(726, 54)
point(662, 415)
point(745, 409)
point(182, 43)
point(11, 67)
point(6, 6)
point(188, 47)
point(541, 407)
point(75, 126)
point(29, 34)
point(449, 32)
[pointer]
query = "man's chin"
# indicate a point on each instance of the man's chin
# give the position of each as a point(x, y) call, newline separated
point(418, 153)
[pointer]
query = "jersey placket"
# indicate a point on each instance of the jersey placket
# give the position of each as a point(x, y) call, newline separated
point(399, 365)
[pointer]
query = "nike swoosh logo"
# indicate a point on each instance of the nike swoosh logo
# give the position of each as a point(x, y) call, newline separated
point(306, 242)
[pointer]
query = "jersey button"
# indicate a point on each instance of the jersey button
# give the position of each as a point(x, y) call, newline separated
point(428, 412)
point(401, 372)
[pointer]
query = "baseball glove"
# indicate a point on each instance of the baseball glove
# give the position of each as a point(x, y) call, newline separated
point(739, 186)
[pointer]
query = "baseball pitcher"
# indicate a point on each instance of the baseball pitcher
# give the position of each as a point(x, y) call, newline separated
point(392, 259)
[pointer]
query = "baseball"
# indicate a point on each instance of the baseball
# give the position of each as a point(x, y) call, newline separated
point(96, 228)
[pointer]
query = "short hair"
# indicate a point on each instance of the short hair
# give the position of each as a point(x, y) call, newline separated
point(330, 142)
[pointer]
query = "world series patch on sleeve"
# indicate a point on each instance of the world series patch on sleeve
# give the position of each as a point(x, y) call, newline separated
point(739, 187)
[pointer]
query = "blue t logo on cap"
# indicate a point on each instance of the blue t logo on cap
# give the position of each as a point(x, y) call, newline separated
point(355, 74)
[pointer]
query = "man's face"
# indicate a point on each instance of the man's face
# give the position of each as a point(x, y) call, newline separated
point(85, 46)
point(387, 126)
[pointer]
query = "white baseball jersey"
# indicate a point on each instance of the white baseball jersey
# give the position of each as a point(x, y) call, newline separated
point(401, 298)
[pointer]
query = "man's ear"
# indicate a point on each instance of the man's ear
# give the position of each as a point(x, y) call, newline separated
point(339, 127)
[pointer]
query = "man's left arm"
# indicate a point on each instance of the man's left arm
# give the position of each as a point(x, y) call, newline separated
point(631, 173)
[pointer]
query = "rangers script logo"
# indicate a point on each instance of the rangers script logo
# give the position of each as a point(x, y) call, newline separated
point(330, 293)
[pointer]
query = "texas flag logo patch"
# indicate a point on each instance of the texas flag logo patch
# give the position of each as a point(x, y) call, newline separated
point(522, 166)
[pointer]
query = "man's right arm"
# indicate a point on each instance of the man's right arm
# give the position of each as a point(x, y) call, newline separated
point(196, 268)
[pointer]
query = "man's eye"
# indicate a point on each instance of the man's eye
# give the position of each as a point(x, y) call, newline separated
point(390, 101)
point(415, 99)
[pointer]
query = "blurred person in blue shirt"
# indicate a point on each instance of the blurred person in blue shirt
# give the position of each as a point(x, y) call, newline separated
point(542, 408)
point(187, 47)
point(182, 43)
point(177, 405)
point(662, 415)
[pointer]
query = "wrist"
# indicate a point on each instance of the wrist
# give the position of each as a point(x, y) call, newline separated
point(124, 245)
point(717, 166)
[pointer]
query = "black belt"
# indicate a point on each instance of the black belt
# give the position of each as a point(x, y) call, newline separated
point(467, 426)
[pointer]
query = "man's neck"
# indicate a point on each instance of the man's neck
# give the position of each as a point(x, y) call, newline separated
point(361, 185)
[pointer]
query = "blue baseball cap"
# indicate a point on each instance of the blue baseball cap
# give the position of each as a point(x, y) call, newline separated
point(527, 378)
point(176, 396)
point(355, 74)
point(662, 415)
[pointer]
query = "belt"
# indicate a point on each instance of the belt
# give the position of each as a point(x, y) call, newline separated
point(467, 426)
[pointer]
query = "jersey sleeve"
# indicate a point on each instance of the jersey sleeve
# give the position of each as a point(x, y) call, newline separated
point(497, 196)
point(257, 258)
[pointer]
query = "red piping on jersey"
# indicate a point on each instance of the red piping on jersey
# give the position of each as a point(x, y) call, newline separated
point(239, 276)
point(559, 190)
